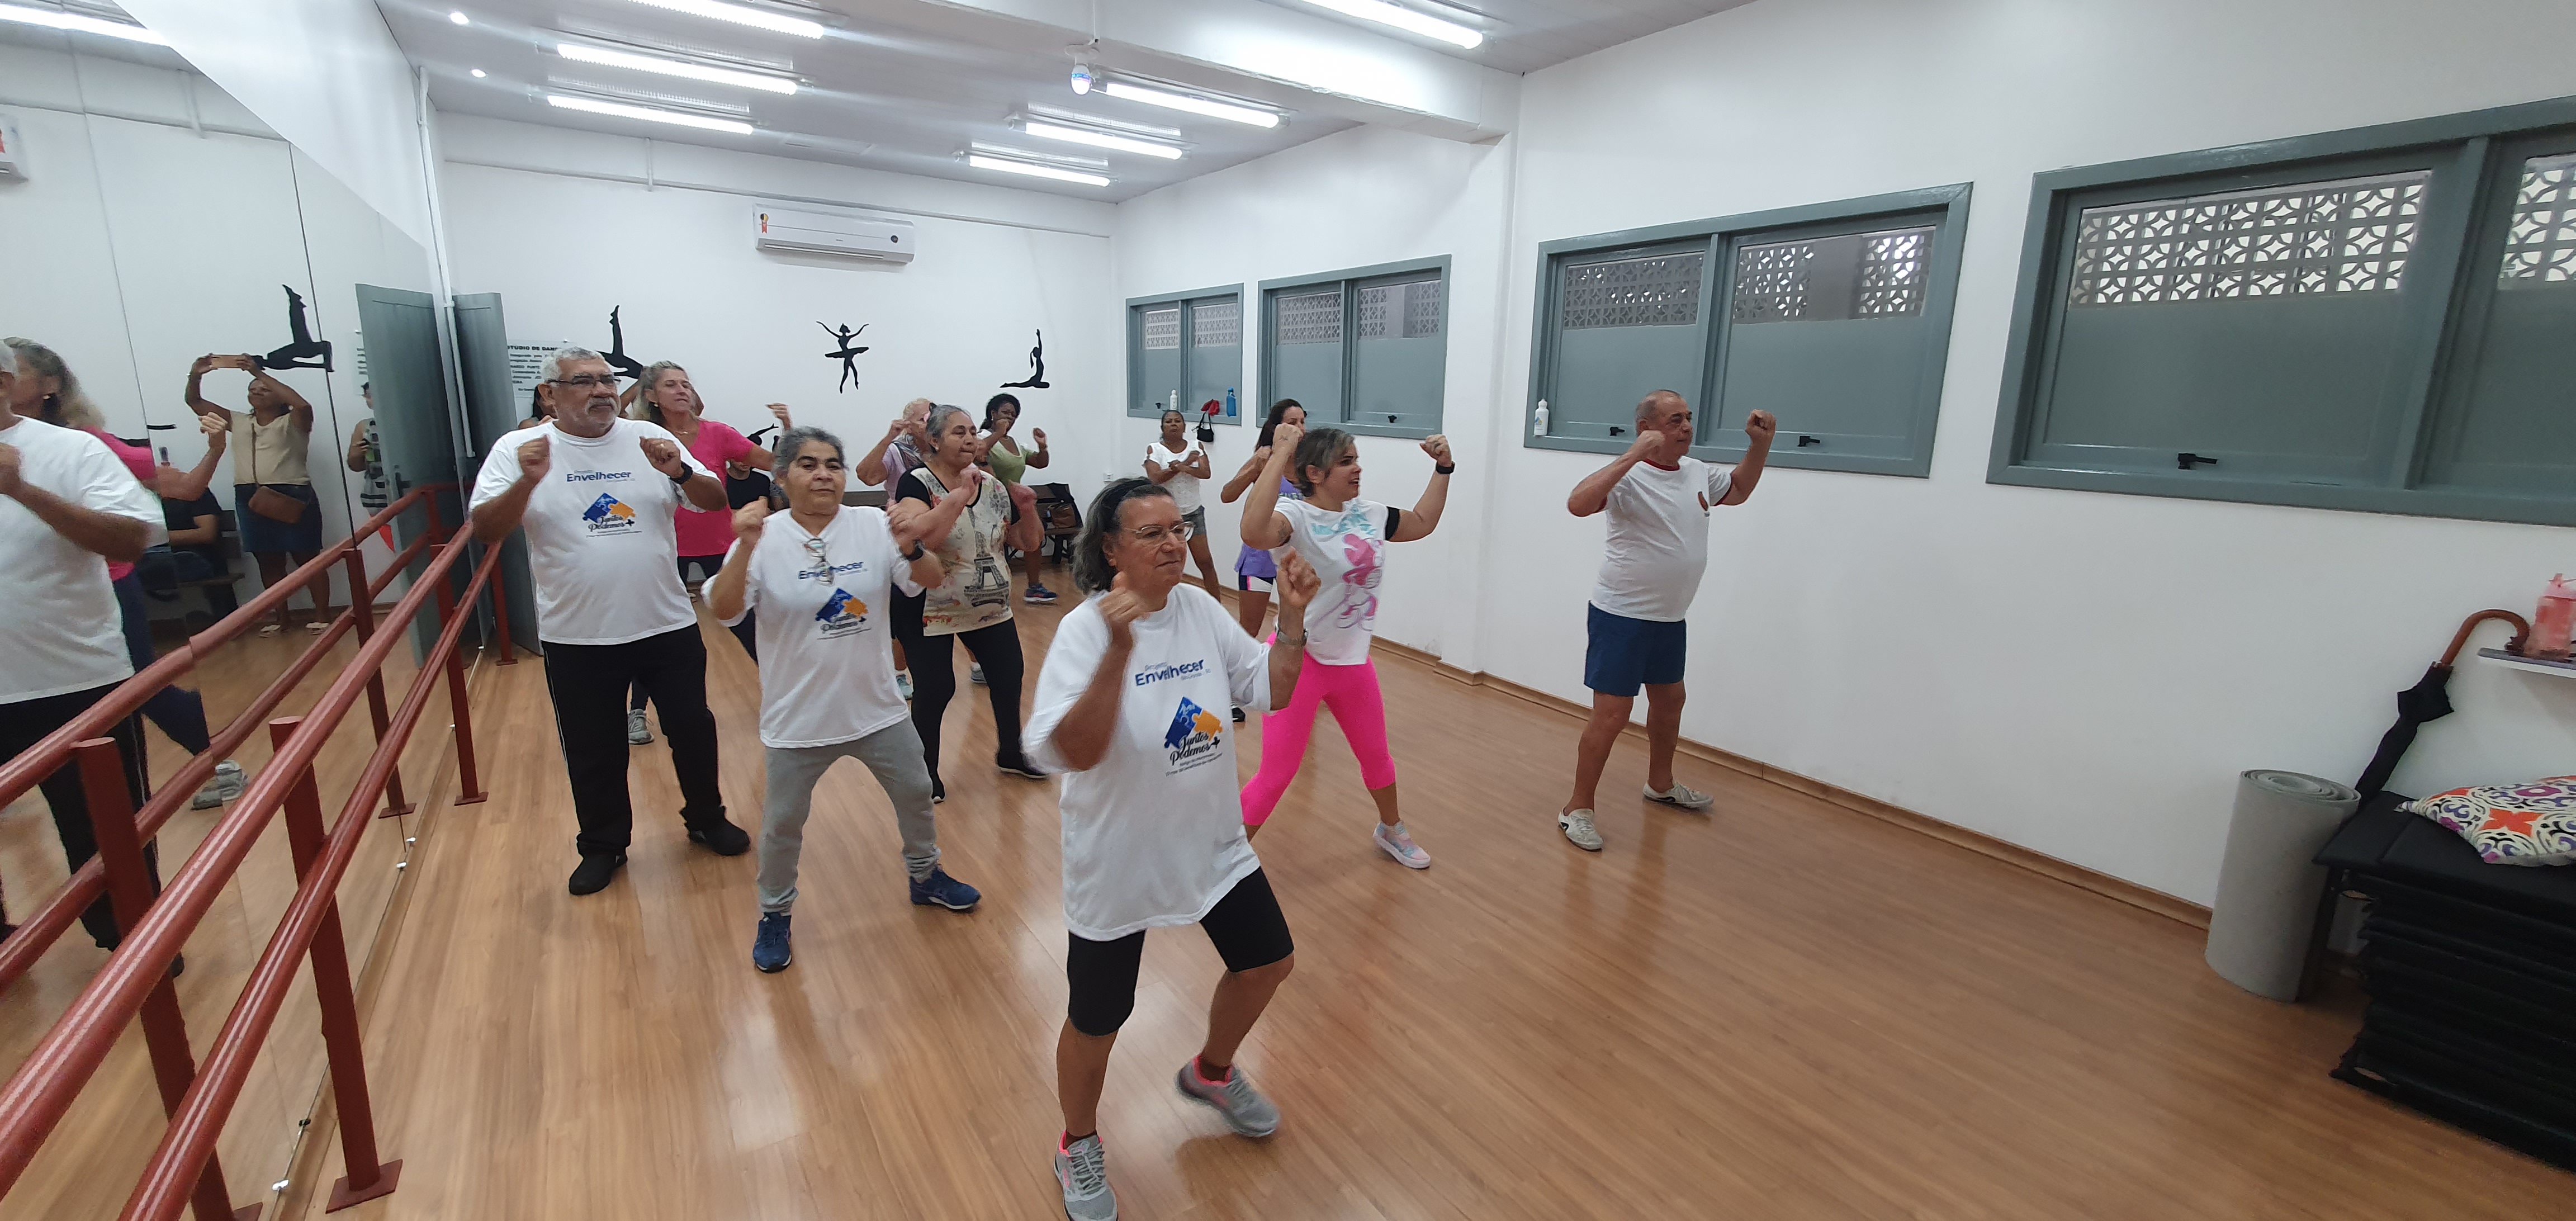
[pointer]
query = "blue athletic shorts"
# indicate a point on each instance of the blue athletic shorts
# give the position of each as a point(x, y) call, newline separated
point(1624, 652)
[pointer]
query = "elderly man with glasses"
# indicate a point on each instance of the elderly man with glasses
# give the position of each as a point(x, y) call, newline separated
point(595, 493)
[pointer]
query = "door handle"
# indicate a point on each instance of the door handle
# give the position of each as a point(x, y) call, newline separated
point(2189, 460)
point(1804, 440)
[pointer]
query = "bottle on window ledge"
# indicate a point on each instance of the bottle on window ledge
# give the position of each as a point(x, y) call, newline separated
point(2555, 621)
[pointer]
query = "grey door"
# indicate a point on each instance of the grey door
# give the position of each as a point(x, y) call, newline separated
point(409, 378)
point(493, 408)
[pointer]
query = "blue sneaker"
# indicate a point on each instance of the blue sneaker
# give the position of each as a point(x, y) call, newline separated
point(769, 950)
point(941, 890)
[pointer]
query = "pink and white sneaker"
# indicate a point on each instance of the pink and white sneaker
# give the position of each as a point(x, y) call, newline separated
point(1398, 843)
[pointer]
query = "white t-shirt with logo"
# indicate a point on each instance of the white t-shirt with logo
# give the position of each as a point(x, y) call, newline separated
point(1153, 835)
point(1658, 545)
point(1347, 548)
point(62, 632)
point(826, 639)
point(1184, 488)
point(601, 545)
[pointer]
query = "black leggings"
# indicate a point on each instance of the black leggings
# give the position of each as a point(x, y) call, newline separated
point(934, 683)
point(1246, 927)
point(747, 631)
point(25, 723)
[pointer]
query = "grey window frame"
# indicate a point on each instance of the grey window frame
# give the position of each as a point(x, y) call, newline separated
point(2467, 154)
point(1720, 236)
point(1351, 279)
point(1136, 345)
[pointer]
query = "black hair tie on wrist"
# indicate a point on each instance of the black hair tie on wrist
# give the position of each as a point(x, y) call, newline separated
point(1438, 469)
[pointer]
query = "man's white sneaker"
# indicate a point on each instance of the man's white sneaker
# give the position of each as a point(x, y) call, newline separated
point(1686, 798)
point(1577, 825)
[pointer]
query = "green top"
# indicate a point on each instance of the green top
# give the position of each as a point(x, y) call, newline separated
point(1007, 466)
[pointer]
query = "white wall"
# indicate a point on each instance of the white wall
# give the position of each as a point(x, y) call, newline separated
point(327, 74)
point(679, 260)
point(2081, 674)
point(158, 221)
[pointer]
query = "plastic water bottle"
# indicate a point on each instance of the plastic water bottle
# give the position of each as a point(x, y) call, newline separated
point(2554, 622)
point(1229, 404)
point(1538, 420)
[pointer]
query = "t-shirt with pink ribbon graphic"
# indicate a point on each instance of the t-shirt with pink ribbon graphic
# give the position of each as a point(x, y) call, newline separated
point(1347, 548)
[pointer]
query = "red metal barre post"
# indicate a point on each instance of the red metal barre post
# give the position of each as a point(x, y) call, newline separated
point(501, 612)
point(193, 1132)
point(367, 1178)
point(469, 783)
point(362, 608)
point(129, 891)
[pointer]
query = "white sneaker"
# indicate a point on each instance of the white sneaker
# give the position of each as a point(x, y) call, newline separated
point(975, 673)
point(1398, 843)
point(223, 786)
point(637, 732)
point(1686, 798)
point(1577, 825)
point(1082, 1169)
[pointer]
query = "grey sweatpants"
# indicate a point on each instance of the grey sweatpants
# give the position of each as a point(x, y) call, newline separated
point(894, 754)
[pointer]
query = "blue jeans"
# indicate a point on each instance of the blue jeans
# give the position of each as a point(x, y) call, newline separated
point(191, 566)
point(179, 712)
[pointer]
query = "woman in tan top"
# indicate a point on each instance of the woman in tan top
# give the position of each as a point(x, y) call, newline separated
point(273, 502)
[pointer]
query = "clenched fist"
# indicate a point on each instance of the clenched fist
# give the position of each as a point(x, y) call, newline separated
point(1437, 445)
point(665, 457)
point(749, 520)
point(1283, 439)
point(1760, 427)
point(1119, 608)
point(536, 457)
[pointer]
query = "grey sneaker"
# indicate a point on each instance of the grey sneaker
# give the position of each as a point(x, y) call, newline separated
point(1082, 1169)
point(1686, 798)
point(1245, 1110)
point(637, 732)
point(1577, 825)
point(223, 786)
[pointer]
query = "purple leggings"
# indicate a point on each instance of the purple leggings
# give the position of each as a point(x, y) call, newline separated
point(1352, 693)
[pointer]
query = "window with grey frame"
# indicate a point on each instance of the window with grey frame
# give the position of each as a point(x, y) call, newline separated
point(1367, 351)
point(1185, 352)
point(2381, 319)
point(1834, 317)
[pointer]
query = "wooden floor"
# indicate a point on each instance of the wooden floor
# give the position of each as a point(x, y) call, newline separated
point(1778, 1009)
point(90, 1165)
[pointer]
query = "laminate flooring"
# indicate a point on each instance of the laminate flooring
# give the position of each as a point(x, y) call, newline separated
point(1774, 1009)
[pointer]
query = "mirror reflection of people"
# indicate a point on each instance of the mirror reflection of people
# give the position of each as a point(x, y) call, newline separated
point(273, 502)
point(1254, 568)
point(46, 389)
point(899, 450)
point(827, 668)
point(1180, 463)
point(665, 396)
point(1011, 464)
point(595, 493)
point(1153, 826)
point(366, 457)
point(68, 508)
point(972, 602)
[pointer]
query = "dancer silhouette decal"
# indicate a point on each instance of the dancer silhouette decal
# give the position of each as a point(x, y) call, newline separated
point(296, 355)
point(626, 366)
point(1037, 368)
point(846, 354)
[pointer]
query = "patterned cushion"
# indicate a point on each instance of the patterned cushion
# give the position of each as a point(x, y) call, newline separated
point(2522, 824)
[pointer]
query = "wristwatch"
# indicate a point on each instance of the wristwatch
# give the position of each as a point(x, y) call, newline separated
point(1438, 469)
point(682, 479)
point(916, 553)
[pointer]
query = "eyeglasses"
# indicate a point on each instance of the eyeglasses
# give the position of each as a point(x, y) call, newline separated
point(588, 381)
point(1153, 536)
point(822, 560)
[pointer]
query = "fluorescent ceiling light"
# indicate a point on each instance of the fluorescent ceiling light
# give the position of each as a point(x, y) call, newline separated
point(674, 67)
point(80, 23)
point(1098, 139)
point(1035, 170)
point(1405, 19)
point(459, 17)
point(742, 15)
point(648, 114)
point(1190, 102)
point(479, 74)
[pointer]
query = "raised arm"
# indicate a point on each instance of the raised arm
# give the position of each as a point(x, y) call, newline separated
point(1425, 516)
point(1758, 431)
point(1263, 524)
point(1243, 477)
point(190, 484)
point(1083, 736)
point(1038, 459)
point(1200, 468)
point(197, 371)
point(296, 404)
point(871, 465)
point(1593, 494)
point(724, 593)
point(1156, 471)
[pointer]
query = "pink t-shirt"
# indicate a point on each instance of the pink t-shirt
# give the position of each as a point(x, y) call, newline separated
point(711, 533)
point(138, 459)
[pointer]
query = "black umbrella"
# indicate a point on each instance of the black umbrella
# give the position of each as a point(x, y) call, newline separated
point(2428, 700)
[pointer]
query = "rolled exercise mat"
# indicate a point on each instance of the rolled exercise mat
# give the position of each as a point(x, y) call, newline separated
point(2269, 882)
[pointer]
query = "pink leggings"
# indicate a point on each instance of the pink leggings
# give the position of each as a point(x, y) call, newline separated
point(1357, 707)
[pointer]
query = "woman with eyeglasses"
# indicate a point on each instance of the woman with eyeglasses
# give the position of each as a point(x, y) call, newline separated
point(665, 396)
point(972, 601)
point(823, 575)
point(1153, 827)
point(1344, 537)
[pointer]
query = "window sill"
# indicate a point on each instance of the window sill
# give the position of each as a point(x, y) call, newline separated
point(2408, 502)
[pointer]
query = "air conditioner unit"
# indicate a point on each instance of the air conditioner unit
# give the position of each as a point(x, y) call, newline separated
point(877, 239)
